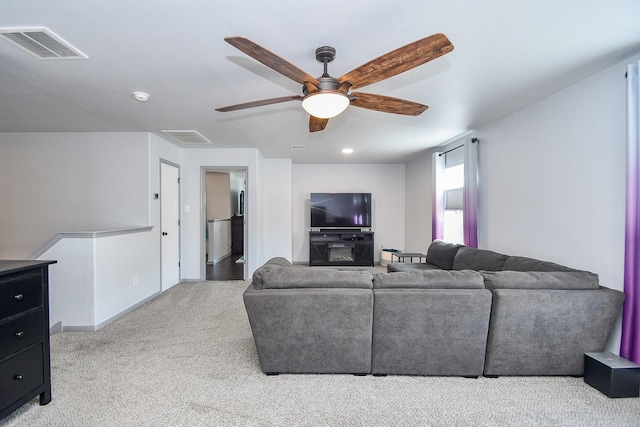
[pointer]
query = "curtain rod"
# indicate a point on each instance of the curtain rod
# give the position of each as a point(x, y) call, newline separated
point(473, 141)
point(455, 148)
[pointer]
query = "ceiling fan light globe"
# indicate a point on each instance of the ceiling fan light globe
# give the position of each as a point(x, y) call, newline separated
point(325, 105)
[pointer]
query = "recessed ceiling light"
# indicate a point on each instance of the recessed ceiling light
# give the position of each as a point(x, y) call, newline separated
point(347, 150)
point(141, 96)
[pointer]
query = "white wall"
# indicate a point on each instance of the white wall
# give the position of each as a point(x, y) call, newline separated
point(386, 184)
point(126, 274)
point(71, 283)
point(278, 208)
point(98, 277)
point(419, 195)
point(54, 182)
point(92, 283)
point(218, 199)
point(553, 180)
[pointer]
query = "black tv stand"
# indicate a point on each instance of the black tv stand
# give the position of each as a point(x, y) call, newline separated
point(341, 247)
point(340, 230)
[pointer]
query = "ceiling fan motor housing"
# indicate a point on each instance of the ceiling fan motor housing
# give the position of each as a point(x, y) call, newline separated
point(325, 84)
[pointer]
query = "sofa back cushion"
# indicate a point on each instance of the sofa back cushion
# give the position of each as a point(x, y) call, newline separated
point(561, 280)
point(478, 259)
point(310, 277)
point(441, 254)
point(410, 266)
point(521, 263)
point(430, 279)
point(276, 263)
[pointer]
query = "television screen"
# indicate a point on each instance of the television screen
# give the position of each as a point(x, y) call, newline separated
point(340, 210)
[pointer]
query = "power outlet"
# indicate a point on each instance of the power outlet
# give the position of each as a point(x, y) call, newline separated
point(135, 280)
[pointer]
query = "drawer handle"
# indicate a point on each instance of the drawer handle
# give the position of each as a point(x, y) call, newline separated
point(20, 334)
point(19, 297)
point(18, 377)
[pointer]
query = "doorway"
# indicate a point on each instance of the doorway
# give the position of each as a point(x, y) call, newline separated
point(225, 231)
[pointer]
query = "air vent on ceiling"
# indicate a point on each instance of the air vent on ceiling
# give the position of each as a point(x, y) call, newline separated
point(296, 147)
point(187, 136)
point(41, 43)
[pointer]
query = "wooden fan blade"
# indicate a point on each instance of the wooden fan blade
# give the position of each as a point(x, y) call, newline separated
point(271, 60)
point(259, 103)
point(387, 104)
point(399, 60)
point(316, 124)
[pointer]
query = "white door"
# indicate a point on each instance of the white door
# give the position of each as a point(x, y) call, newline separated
point(170, 225)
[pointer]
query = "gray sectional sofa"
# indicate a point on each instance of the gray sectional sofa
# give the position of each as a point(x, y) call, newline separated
point(465, 312)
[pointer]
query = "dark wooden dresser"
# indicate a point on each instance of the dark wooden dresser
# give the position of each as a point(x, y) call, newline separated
point(237, 234)
point(25, 370)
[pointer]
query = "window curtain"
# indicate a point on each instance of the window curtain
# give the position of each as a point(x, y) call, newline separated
point(437, 205)
point(630, 343)
point(470, 193)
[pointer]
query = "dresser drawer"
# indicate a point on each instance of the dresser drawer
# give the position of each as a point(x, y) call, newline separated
point(20, 375)
point(19, 294)
point(20, 332)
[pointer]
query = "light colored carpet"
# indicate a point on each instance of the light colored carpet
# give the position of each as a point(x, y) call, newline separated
point(187, 358)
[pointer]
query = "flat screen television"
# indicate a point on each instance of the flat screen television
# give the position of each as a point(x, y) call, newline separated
point(340, 210)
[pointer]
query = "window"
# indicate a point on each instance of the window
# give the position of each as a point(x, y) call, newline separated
point(455, 194)
point(453, 204)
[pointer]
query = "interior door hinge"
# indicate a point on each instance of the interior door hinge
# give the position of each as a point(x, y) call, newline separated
point(179, 180)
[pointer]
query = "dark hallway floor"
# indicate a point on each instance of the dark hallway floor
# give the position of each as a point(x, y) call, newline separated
point(226, 269)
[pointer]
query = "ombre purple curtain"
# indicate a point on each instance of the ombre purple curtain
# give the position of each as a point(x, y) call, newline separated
point(630, 343)
point(437, 205)
point(470, 193)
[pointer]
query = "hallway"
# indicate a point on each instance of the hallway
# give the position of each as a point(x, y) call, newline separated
point(226, 269)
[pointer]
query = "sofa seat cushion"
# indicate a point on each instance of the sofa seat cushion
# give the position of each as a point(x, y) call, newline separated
point(521, 263)
point(410, 266)
point(478, 259)
point(561, 280)
point(310, 277)
point(441, 254)
point(430, 279)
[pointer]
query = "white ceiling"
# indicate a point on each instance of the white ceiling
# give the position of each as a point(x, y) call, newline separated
point(507, 55)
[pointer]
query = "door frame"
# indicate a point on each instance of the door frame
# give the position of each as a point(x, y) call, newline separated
point(203, 214)
point(177, 166)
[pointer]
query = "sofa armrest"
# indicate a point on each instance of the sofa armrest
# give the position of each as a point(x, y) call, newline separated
point(547, 331)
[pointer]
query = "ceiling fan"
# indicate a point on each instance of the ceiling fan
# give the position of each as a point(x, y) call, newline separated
point(326, 96)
